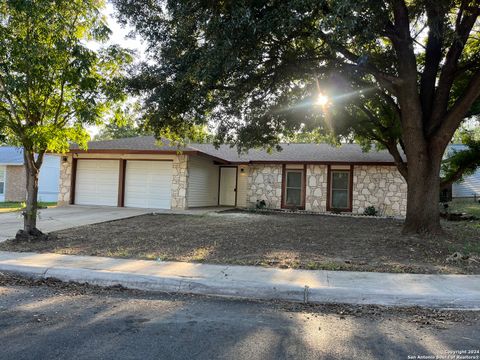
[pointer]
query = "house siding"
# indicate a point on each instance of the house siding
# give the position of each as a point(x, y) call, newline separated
point(15, 183)
point(202, 182)
point(469, 187)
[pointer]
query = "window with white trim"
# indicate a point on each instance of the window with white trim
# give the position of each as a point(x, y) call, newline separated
point(2, 180)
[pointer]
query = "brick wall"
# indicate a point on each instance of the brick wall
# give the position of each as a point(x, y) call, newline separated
point(15, 184)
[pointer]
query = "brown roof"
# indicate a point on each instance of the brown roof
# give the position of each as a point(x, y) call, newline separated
point(346, 153)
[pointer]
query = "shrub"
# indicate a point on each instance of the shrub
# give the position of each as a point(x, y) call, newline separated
point(261, 204)
point(370, 211)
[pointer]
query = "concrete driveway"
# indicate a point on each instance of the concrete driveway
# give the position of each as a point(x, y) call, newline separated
point(65, 217)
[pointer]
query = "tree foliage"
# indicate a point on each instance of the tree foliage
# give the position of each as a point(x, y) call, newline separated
point(124, 123)
point(401, 74)
point(51, 82)
point(255, 68)
point(462, 162)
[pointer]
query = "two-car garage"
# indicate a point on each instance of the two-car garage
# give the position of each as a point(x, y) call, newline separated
point(130, 183)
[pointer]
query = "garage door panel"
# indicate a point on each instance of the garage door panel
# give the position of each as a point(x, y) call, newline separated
point(97, 182)
point(148, 184)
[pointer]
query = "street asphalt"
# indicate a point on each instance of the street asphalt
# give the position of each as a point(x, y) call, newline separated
point(61, 321)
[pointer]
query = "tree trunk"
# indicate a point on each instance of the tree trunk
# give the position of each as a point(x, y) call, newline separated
point(32, 169)
point(423, 180)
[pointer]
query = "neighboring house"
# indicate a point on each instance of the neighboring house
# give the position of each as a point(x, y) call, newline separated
point(13, 179)
point(135, 172)
point(470, 186)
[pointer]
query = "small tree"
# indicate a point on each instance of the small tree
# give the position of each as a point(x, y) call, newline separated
point(51, 82)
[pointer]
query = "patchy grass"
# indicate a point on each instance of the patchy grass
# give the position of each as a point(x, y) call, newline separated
point(278, 240)
point(467, 206)
point(464, 229)
point(9, 206)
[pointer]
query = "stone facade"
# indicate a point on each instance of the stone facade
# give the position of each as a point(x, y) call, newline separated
point(265, 183)
point(379, 186)
point(15, 183)
point(65, 181)
point(179, 182)
point(316, 188)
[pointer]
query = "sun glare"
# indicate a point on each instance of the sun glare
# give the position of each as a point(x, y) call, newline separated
point(322, 100)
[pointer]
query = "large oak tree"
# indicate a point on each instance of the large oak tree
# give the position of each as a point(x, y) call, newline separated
point(51, 82)
point(401, 74)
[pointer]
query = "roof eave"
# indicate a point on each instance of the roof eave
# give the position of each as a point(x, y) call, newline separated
point(253, 162)
point(130, 151)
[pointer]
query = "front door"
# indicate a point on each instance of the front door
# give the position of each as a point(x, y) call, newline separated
point(228, 186)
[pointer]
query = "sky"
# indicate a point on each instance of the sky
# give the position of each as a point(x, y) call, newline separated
point(119, 36)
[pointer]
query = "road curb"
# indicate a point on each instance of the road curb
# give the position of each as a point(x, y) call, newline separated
point(244, 289)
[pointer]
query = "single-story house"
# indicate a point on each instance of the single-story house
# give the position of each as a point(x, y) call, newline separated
point(470, 186)
point(13, 178)
point(136, 172)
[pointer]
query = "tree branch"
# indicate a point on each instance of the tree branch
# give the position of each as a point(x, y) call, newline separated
point(464, 25)
point(388, 82)
point(458, 111)
point(433, 55)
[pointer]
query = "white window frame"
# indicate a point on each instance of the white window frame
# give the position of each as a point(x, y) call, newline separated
point(4, 180)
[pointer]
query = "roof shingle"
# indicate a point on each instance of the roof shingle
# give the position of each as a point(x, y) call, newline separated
point(11, 155)
point(347, 153)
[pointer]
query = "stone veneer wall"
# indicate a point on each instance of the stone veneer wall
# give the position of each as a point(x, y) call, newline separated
point(379, 186)
point(265, 183)
point(179, 182)
point(316, 189)
point(15, 185)
point(65, 181)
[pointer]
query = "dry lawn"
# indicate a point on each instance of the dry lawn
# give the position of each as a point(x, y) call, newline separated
point(280, 240)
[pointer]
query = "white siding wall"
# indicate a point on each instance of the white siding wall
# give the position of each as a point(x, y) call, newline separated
point(468, 187)
point(48, 183)
point(202, 182)
point(242, 183)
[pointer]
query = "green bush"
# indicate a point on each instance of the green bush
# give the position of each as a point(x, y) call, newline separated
point(370, 211)
point(261, 204)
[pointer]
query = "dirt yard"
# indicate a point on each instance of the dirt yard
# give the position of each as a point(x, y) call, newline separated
point(280, 240)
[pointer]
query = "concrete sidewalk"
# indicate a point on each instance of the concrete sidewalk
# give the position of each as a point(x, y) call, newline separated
point(250, 282)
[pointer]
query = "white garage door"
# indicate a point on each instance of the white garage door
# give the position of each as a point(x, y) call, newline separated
point(148, 184)
point(97, 182)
